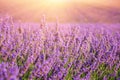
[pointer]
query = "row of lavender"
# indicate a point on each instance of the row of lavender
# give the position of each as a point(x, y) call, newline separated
point(58, 52)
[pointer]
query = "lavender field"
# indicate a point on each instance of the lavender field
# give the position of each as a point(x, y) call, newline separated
point(30, 51)
point(59, 40)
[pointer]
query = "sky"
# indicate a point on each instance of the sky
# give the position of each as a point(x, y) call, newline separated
point(66, 10)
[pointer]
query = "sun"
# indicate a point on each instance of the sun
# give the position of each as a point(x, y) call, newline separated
point(55, 1)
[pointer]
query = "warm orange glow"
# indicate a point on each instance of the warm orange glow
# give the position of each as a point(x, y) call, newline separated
point(55, 1)
point(65, 10)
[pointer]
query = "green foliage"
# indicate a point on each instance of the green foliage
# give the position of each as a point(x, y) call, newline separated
point(1, 60)
point(107, 72)
point(28, 72)
point(82, 57)
point(94, 76)
point(83, 75)
point(111, 78)
point(50, 73)
point(20, 61)
point(39, 78)
point(118, 73)
point(102, 66)
point(103, 70)
point(66, 65)
point(69, 75)
point(35, 78)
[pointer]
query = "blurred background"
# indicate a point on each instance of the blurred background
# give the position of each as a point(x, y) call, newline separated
point(74, 11)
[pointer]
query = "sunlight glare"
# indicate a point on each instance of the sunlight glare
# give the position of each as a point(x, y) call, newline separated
point(55, 2)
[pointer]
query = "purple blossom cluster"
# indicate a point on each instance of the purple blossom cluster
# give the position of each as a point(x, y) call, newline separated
point(53, 51)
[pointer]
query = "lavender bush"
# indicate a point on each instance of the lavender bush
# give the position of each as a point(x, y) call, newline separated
point(58, 51)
